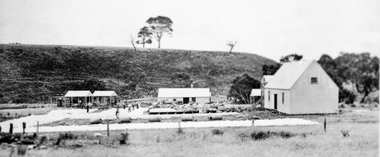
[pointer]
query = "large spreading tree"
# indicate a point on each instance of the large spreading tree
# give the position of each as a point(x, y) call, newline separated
point(160, 26)
point(360, 70)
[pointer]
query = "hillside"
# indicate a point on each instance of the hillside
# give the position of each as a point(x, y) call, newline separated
point(30, 72)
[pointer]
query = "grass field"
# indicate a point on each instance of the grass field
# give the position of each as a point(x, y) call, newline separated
point(363, 140)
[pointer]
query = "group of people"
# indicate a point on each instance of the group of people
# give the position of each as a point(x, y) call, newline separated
point(130, 106)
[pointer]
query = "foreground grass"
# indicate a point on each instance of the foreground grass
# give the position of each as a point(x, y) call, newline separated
point(309, 141)
point(363, 140)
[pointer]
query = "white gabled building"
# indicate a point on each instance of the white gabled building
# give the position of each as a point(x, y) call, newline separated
point(301, 87)
point(199, 95)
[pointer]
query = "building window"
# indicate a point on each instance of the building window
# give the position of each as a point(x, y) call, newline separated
point(314, 80)
point(193, 99)
point(268, 95)
point(283, 97)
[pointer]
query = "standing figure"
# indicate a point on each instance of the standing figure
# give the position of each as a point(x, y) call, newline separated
point(88, 108)
point(129, 107)
point(117, 113)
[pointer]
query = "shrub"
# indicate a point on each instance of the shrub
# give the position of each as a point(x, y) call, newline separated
point(67, 136)
point(345, 133)
point(259, 135)
point(243, 136)
point(284, 134)
point(217, 132)
point(124, 138)
point(42, 140)
point(347, 96)
point(179, 130)
point(158, 139)
point(21, 150)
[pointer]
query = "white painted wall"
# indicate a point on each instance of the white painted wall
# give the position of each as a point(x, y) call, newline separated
point(282, 107)
point(321, 97)
point(201, 100)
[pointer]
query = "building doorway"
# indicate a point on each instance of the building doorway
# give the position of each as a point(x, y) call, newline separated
point(275, 101)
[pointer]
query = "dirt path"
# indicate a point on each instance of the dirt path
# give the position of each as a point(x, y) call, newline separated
point(138, 126)
point(56, 115)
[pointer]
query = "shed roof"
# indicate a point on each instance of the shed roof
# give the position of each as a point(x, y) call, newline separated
point(104, 93)
point(288, 75)
point(78, 93)
point(183, 92)
point(256, 92)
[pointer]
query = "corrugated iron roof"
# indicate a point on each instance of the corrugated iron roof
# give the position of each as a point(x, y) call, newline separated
point(72, 93)
point(288, 74)
point(104, 93)
point(267, 78)
point(183, 92)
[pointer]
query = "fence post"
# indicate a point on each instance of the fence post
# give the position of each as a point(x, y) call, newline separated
point(324, 124)
point(11, 128)
point(108, 129)
point(23, 127)
point(38, 125)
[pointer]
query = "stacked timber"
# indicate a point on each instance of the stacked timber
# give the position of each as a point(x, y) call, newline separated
point(95, 121)
point(215, 117)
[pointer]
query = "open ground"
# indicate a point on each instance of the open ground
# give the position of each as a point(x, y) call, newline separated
point(298, 140)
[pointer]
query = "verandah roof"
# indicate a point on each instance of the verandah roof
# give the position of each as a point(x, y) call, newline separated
point(72, 93)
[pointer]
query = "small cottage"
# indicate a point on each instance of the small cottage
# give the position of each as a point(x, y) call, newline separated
point(301, 87)
point(198, 95)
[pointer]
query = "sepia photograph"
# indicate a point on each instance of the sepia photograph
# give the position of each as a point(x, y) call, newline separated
point(189, 78)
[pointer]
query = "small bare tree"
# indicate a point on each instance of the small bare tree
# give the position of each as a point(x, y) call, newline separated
point(132, 42)
point(232, 45)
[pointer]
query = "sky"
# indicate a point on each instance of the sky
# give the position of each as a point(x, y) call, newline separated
point(270, 28)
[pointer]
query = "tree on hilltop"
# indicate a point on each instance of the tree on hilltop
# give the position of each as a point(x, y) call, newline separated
point(231, 44)
point(145, 36)
point(159, 26)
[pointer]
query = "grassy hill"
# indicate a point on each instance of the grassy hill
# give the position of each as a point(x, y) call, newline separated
point(30, 72)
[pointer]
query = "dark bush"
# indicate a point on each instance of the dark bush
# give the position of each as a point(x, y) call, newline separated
point(345, 133)
point(217, 132)
point(261, 135)
point(21, 150)
point(67, 136)
point(124, 138)
point(284, 134)
point(180, 131)
point(346, 96)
